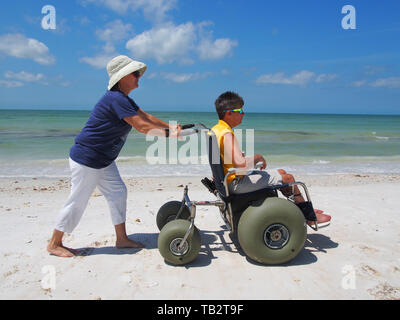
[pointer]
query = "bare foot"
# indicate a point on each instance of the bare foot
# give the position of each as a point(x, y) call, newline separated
point(322, 219)
point(60, 251)
point(74, 251)
point(318, 211)
point(126, 243)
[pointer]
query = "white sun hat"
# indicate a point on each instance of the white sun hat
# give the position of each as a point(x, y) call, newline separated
point(121, 66)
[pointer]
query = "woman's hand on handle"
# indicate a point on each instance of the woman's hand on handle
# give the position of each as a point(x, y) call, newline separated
point(175, 130)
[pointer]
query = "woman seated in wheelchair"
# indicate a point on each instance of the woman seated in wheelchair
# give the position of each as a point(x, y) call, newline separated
point(229, 107)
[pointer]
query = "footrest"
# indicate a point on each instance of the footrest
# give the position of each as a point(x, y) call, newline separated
point(316, 226)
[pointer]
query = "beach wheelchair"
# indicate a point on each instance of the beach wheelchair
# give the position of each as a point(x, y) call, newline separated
point(269, 229)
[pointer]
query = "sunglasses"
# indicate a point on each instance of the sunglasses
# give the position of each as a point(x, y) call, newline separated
point(136, 74)
point(238, 110)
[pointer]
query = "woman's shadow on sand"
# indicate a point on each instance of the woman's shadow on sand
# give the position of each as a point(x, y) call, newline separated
point(148, 239)
point(214, 241)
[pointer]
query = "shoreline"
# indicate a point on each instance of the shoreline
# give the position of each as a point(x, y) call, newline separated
point(60, 168)
point(356, 257)
point(310, 179)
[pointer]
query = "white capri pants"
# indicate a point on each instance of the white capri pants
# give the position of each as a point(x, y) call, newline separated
point(83, 182)
point(255, 181)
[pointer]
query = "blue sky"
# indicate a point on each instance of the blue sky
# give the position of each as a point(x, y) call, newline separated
point(281, 56)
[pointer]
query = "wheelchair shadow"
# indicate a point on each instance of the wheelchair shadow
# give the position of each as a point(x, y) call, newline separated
point(314, 243)
point(214, 241)
point(209, 239)
point(211, 242)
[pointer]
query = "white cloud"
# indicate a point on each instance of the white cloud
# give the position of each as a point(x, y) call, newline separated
point(25, 76)
point(60, 80)
point(209, 49)
point(178, 43)
point(62, 26)
point(100, 61)
point(19, 46)
point(359, 83)
point(184, 77)
point(374, 70)
point(113, 32)
point(82, 20)
point(325, 77)
point(10, 84)
point(301, 78)
point(165, 44)
point(151, 75)
point(218, 49)
point(392, 82)
point(19, 79)
point(154, 10)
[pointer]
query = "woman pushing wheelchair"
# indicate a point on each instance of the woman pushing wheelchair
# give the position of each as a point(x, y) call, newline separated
point(92, 157)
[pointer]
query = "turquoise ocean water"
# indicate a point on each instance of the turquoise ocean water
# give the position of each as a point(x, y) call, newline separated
point(35, 143)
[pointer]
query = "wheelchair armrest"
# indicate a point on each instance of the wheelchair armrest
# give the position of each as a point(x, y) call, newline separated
point(242, 171)
point(245, 171)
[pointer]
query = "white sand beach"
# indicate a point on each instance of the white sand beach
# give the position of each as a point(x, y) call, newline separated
point(356, 257)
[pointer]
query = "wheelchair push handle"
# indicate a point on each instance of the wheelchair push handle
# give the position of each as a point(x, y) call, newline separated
point(188, 126)
point(187, 129)
point(188, 132)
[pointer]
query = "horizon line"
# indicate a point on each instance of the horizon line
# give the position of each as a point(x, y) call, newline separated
point(252, 112)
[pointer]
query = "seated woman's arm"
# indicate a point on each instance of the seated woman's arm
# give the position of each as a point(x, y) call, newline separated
point(234, 154)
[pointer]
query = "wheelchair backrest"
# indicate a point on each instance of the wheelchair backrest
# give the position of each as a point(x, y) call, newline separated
point(215, 161)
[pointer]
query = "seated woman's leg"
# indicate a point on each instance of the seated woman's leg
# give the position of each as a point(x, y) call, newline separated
point(253, 182)
point(287, 192)
point(298, 198)
point(262, 179)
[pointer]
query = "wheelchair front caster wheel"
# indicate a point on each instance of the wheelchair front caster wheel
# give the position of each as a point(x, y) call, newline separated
point(169, 211)
point(170, 239)
point(273, 233)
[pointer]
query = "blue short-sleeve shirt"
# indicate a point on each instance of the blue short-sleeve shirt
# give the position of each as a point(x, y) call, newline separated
point(101, 140)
